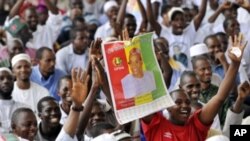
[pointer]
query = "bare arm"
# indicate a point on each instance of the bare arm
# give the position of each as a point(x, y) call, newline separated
point(120, 18)
point(15, 9)
point(143, 26)
point(224, 6)
point(210, 110)
point(154, 24)
point(51, 7)
point(199, 17)
point(244, 4)
point(84, 116)
point(78, 95)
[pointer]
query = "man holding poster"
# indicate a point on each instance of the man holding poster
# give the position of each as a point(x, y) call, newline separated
point(137, 82)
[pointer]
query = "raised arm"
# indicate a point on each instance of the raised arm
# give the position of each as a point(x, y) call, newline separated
point(15, 9)
point(235, 114)
point(84, 116)
point(152, 20)
point(224, 6)
point(199, 17)
point(244, 4)
point(51, 7)
point(144, 23)
point(210, 110)
point(79, 93)
point(120, 18)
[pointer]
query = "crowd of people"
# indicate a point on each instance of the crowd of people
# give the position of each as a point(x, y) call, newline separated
point(54, 87)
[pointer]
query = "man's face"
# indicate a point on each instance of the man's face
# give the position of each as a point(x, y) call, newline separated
point(178, 23)
point(81, 42)
point(47, 63)
point(130, 24)
point(223, 41)
point(42, 16)
point(50, 114)
point(233, 28)
point(65, 91)
point(76, 4)
point(203, 70)
point(180, 112)
point(15, 48)
point(6, 83)
point(97, 115)
point(192, 87)
point(26, 126)
point(163, 46)
point(230, 13)
point(112, 14)
point(214, 46)
point(135, 64)
point(22, 70)
point(31, 18)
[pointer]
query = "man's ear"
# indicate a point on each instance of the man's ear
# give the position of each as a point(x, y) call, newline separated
point(40, 115)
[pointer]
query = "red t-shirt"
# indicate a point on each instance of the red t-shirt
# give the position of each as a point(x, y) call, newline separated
point(161, 129)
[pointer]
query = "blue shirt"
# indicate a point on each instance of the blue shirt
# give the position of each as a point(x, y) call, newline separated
point(51, 83)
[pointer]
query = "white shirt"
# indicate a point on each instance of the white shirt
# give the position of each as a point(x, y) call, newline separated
point(183, 42)
point(30, 96)
point(66, 59)
point(64, 116)
point(104, 31)
point(138, 86)
point(63, 136)
point(7, 108)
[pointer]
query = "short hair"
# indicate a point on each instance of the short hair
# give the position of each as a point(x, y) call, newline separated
point(40, 51)
point(100, 128)
point(31, 8)
point(78, 19)
point(74, 31)
point(67, 77)
point(208, 37)
point(46, 98)
point(176, 91)
point(186, 73)
point(220, 34)
point(128, 15)
point(135, 52)
point(198, 58)
point(17, 112)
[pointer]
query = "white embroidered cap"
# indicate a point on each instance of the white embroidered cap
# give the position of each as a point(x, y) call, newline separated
point(198, 49)
point(20, 57)
point(5, 69)
point(109, 4)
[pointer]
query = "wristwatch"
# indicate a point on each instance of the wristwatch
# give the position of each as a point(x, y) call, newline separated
point(77, 109)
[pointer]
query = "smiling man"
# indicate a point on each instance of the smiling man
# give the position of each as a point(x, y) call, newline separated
point(8, 105)
point(26, 91)
point(49, 113)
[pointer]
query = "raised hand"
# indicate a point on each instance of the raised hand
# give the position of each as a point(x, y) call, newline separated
point(80, 86)
point(95, 49)
point(237, 47)
point(226, 5)
point(243, 90)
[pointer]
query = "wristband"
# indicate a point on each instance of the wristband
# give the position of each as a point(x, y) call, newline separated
point(77, 109)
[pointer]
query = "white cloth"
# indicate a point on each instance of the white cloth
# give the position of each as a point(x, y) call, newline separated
point(104, 31)
point(7, 108)
point(66, 59)
point(20, 57)
point(63, 136)
point(138, 86)
point(30, 96)
point(64, 116)
point(218, 138)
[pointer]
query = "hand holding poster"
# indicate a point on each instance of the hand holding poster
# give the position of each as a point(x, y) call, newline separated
point(135, 79)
